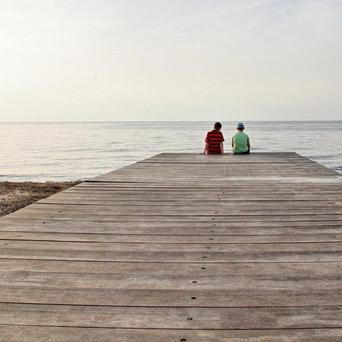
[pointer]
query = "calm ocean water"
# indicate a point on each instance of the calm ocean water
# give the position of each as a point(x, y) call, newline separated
point(69, 151)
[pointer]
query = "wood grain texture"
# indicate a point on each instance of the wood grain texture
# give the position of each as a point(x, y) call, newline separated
point(179, 247)
point(173, 318)
point(57, 334)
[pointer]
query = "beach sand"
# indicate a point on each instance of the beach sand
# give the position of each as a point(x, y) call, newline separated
point(16, 195)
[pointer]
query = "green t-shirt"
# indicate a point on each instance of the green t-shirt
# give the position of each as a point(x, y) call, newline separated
point(240, 142)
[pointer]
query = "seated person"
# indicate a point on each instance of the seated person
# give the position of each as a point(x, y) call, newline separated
point(214, 140)
point(240, 141)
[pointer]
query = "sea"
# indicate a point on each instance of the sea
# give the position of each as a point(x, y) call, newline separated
point(64, 151)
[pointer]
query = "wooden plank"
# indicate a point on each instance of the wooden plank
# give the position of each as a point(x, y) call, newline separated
point(69, 211)
point(57, 334)
point(173, 318)
point(170, 298)
point(200, 204)
point(220, 177)
point(106, 205)
point(173, 247)
point(208, 183)
point(168, 228)
point(257, 216)
point(149, 199)
point(290, 270)
point(221, 187)
point(228, 209)
point(184, 202)
point(151, 238)
point(298, 252)
point(199, 283)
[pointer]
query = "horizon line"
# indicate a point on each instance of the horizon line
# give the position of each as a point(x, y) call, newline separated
point(161, 121)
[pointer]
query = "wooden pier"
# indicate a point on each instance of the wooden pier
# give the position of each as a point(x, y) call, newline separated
point(179, 247)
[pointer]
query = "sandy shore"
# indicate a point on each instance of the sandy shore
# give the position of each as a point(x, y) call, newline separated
point(16, 195)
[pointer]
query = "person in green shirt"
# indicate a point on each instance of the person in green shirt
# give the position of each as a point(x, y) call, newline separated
point(240, 141)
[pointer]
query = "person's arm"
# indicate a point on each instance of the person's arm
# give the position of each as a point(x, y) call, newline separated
point(221, 144)
point(248, 144)
point(205, 148)
point(233, 142)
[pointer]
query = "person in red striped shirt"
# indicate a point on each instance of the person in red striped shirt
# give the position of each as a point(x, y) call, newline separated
point(214, 140)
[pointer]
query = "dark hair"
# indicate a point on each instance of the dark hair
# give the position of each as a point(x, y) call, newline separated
point(218, 125)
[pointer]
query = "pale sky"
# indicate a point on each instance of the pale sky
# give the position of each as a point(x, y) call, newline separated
point(80, 60)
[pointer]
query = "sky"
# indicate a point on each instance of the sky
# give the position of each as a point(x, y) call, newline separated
point(86, 60)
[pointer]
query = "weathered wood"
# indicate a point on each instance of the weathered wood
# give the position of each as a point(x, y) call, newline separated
point(243, 248)
point(146, 297)
point(179, 247)
point(57, 334)
point(199, 283)
point(167, 238)
point(173, 318)
point(134, 215)
point(291, 270)
point(298, 252)
point(184, 226)
point(210, 207)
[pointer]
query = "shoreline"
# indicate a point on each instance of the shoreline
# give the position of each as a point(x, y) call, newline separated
point(17, 195)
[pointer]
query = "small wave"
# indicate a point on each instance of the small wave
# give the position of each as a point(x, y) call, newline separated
point(325, 156)
point(12, 176)
point(120, 150)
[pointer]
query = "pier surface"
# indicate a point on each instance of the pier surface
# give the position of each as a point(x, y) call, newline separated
point(179, 247)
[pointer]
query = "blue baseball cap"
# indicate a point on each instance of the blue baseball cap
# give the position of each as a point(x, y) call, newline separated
point(240, 125)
